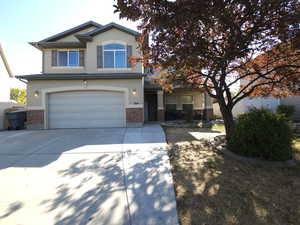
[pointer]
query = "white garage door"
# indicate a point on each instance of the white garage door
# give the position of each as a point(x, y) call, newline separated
point(86, 109)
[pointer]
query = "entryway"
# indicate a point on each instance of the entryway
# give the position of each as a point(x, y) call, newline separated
point(150, 106)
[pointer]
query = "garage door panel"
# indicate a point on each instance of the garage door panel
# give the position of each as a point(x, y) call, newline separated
point(87, 100)
point(86, 109)
point(87, 116)
point(100, 109)
point(88, 123)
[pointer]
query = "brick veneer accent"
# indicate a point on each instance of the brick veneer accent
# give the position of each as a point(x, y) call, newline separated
point(34, 117)
point(160, 115)
point(135, 115)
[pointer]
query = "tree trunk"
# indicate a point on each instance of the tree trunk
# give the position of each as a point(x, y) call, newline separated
point(228, 119)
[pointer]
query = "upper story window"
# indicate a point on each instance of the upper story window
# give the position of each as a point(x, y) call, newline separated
point(68, 58)
point(114, 56)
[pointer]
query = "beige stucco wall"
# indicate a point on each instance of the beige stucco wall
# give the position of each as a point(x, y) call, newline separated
point(198, 99)
point(110, 36)
point(124, 85)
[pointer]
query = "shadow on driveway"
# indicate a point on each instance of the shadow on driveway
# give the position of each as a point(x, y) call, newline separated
point(92, 176)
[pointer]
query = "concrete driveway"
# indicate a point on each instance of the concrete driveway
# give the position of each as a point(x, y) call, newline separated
point(86, 176)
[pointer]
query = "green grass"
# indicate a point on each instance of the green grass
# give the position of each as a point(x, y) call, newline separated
point(218, 127)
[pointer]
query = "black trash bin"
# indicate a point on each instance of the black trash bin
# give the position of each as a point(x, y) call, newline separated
point(16, 120)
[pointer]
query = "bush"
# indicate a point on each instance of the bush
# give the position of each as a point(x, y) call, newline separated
point(262, 134)
point(286, 110)
point(19, 95)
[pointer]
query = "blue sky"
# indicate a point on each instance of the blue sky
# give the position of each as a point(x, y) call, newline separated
point(23, 21)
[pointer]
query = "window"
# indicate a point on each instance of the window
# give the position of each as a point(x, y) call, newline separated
point(68, 58)
point(114, 56)
point(171, 107)
point(187, 99)
point(171, 99)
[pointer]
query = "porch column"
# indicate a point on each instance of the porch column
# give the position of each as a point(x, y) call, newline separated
point(160, 106)
point(208, 108)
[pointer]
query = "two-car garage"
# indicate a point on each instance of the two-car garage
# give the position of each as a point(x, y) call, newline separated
point(84, 100)
point(86, 109)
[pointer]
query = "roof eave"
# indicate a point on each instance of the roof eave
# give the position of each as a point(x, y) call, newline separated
point(35, 44)
point(43, 45)
point(79, 76)
point(111, 26)
point(84, 37)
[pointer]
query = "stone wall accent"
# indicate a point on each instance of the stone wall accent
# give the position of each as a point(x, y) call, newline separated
point(35, 119)
point(135, 115)
point(160, 115)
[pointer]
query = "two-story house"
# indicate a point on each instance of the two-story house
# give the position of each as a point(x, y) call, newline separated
point(87, 81)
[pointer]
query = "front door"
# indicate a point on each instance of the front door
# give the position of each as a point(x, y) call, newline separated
point(151, 107)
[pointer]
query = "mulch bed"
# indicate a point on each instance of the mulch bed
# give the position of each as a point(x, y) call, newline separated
point(215, 190)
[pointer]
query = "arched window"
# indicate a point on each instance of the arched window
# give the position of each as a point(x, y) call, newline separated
point(114, 56)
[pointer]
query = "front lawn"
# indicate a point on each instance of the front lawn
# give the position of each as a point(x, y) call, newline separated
point(218, 127)
point(214, 190)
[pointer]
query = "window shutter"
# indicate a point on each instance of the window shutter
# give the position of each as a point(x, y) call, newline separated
point(81, 58)
point(54, 58)
point(99, 56)
point(129, 54)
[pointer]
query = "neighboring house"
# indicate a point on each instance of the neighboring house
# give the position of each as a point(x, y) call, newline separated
point(294, 101)
point(6, 77)
point(269, 103)
point(257, 102)
point(87, 81)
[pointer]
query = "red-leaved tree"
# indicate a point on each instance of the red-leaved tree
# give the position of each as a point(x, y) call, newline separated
point(212, 45)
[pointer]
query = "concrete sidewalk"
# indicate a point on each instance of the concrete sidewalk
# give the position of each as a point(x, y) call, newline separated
point(86, 176)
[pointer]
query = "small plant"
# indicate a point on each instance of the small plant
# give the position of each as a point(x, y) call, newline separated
point(218, 127)
point(262, 134)
point(286, 110)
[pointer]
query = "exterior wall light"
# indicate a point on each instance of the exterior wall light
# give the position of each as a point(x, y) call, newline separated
point(36, 94)
point(134, 92)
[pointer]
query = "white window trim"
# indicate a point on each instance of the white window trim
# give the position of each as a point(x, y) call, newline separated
point(114, 69)
point(115, 50)
point(68, 52)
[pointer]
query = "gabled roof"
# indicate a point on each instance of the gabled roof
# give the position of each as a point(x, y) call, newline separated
point(5, 62)
point(72, 30)
point(110, 26)
point(50, 42)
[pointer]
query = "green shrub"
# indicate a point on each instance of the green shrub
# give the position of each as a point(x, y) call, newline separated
point(262, 134)
point(286, 110)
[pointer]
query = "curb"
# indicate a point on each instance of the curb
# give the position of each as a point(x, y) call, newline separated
point(258, 162)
